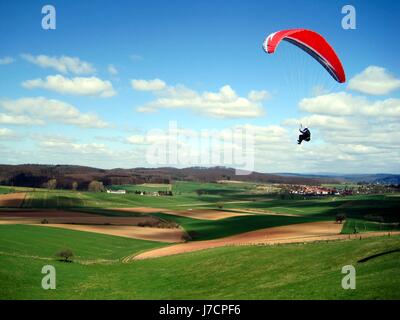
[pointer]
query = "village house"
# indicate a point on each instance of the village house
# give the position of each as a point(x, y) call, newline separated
point(116, 191)
point(313, 190)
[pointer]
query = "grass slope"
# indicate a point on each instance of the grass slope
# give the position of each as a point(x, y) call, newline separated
point(212, 229)
point(302, 271)
point(44, 242)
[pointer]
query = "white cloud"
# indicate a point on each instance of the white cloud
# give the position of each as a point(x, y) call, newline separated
point(6, 133)
point(75, 148)
point(375, 81)
point(112, 70)
point(68, 145)
point(331, 150)
point(38, 110)
point(320, 121)
point(345, 104)
point(81, 86)
point(350, 133)
point(6, 60)
point(341, 103)
point(264, 134)
point(259, 95)
point(19, 119)
point(63, 64)
point(148, 85)
point(224, 103)
point(359, 149)
point(136, 139)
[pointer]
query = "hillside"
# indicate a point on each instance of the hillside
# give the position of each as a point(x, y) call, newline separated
point(294, 271)
point(378, 178)
point(34, 175)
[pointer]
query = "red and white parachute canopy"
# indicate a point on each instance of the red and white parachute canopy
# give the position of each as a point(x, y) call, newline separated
point(312, 43)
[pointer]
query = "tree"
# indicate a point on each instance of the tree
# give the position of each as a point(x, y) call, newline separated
point(219, 205)
point(52, 184)
point(96, 186)
point(65, 254)
point(74, 185)
point(340, 217)
point(186, 237)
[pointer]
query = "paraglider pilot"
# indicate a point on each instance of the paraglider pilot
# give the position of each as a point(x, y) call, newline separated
point(305, 135)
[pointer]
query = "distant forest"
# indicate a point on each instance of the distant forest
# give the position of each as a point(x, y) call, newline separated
point(79, 177)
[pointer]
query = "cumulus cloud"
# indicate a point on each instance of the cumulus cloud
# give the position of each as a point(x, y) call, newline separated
point(375, 81)
point(276, 150)
point(63, 64)
point(81, 86)
point(345, 104)
point(264, 134)
point(6, 60)
point(19, 119)
point(320, 121)
point(350, 133)
point(37, 110)
point(225, 103)
point(148, 85)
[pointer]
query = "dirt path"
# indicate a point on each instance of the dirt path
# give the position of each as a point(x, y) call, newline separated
point(209, 203)
point(284, 234)
point(266, 212)
point(139, 209)
point(94, 220)
point(144, 233)
point(206, 214)
point(202, 214)
point(296, 233)
point(29, 213)
point(116, 226)
point(12, 199)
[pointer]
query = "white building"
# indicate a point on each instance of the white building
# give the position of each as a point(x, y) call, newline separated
point(116, 191)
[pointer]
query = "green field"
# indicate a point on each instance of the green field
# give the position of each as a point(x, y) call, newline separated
point(212, 229)
point(230, 196)
point(303, 271)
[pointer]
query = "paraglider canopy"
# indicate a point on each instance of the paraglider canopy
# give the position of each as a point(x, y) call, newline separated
point(312, 43)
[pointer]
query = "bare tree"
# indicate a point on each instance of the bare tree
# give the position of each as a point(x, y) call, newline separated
point(74, 185)
point(96, 186)
point(52, 184)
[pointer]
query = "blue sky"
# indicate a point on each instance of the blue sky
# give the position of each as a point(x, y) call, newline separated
point(200, 46)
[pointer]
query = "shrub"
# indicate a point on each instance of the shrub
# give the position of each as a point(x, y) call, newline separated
point(52, 184)
point(186, 237)
point(96, 186)
point(340, 217)
point(65, 254)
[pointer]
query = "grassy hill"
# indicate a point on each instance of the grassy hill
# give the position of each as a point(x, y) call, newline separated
point(34, 175)
point(296, 271)
point(360, 210)
point(302, 271)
